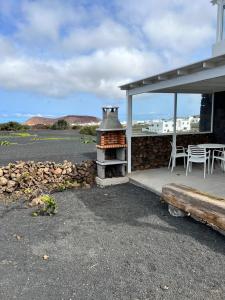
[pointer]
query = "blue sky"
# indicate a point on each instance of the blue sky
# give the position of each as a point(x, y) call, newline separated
point(69, 57)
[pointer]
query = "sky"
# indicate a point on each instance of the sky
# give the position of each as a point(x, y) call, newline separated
point(60, 57)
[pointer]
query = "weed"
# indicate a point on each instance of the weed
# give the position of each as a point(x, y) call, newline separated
point(54, 139)
point(17, 134)
point(67, 185)
point(6, 143)
point(87, 140)
point(21, 134)
point(28, 191)
point(25, 176)
point(48, 208)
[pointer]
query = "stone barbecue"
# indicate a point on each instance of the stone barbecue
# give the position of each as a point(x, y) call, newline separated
point(111, 145)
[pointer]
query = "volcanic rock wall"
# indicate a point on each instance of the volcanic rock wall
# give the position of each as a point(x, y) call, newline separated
point(33, 178)
point(151, 152)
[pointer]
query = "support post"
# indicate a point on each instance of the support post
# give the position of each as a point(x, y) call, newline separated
point(220, 16)
point(174, 132)
point(129, 132)
point(212, 112)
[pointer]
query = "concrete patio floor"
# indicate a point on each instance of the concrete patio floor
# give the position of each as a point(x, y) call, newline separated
point(155, 179)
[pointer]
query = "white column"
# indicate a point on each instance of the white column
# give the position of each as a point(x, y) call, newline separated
point(174, 130)
point(220, 16)
point(129, 132)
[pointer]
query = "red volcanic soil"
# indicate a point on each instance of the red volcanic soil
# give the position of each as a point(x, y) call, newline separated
point(70, 119)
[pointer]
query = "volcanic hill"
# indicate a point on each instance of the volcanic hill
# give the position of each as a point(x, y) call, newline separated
point(71, 119)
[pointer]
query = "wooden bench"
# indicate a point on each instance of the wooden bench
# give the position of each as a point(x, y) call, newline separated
point(203, 207)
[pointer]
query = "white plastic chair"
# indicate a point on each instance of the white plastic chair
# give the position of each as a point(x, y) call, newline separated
point(180, 152)
point(197, 155)
point(218, 155)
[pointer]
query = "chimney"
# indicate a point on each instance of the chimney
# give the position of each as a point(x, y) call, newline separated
point(110, 119)
point(111, 148)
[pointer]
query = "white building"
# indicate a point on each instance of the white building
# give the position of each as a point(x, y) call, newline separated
point(166, 126)
point(194, 119)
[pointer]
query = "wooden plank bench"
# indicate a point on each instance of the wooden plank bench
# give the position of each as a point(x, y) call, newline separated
point(203, 207)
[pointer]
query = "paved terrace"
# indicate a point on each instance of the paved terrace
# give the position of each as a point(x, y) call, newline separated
point(113, 243)
point(155, 179)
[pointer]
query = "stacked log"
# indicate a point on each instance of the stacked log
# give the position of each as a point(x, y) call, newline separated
point(203, 207)
point(32, 178)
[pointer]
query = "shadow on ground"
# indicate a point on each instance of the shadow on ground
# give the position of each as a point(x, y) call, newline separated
point(114, 207)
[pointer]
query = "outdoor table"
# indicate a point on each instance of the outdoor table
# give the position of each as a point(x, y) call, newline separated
point(211, 147)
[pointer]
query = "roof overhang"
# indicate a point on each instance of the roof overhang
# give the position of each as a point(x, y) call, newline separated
point(204, 77)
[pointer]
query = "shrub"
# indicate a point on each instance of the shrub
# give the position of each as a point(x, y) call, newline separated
point(61, 125)
point(41, 126)
point(89, 130)
point(76, 127)
point(13, 126)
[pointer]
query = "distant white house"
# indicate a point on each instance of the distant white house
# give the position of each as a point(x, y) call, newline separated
point(166, 126)
point(85, 124)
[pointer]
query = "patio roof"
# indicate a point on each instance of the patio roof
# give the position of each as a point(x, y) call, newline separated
point(204, 77)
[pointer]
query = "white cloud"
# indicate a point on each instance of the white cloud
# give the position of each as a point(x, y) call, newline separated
point(6, 48)
point(24, 115)
point(43, 20)
point(175, 37)
point(93, 49)
point(99, 73)
point(106, 35)
point(172, 26)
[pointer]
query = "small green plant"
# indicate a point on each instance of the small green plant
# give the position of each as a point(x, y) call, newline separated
point(28, 191)
point(48, 208)
point(87, 140)
point(25, 175)
point(6, 143)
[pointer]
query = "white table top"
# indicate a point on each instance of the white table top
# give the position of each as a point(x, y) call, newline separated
point(212, 146)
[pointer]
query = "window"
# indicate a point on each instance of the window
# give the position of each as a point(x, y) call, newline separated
point(153, 114)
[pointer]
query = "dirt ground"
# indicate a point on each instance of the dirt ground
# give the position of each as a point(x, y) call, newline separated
point(113, 243)
point(47, 145)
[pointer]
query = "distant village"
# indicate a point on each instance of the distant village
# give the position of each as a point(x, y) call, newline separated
point(164, 126)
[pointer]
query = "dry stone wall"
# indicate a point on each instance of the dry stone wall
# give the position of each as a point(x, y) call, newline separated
point(151, 152)
point(30, 178)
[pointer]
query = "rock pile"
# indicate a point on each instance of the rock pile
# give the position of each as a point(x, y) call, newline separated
point(33, 178)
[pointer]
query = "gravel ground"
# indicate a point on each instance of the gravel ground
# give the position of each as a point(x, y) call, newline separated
point(113, 243)
point(52, 150)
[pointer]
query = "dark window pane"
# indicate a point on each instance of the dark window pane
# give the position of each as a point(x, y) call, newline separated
point(205, 113)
